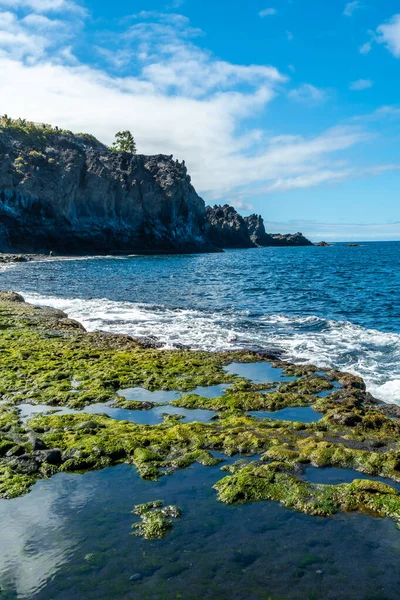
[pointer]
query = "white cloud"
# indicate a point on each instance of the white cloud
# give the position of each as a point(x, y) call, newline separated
point(177, 99)
point(30, 38)
point(361, 84)
point(351, 7)
point(308, 94)
point(366, 48)
point(289, 36)
point(43, 6)
point(267, 12)
point(389, 34)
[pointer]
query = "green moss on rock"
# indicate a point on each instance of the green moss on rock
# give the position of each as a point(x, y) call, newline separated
point(155, 520)
point(255, 482)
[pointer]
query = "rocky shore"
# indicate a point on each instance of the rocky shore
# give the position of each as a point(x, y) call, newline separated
point(70, 194)
point(48, 359)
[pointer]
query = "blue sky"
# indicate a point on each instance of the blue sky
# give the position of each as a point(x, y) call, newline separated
point(290, 108)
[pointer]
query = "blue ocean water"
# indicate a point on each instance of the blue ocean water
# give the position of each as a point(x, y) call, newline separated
point(337, 306)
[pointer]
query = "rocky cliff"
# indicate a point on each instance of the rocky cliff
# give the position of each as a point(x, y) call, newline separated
point(256, 229)
point(71, 194)
point(225, 228)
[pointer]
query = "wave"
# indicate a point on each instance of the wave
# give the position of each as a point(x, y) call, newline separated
point(374, 355)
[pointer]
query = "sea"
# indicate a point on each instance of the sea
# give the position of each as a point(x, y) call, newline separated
point(334, 306)
point(71, 537)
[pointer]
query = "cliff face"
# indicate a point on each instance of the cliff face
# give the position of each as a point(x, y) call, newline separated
point(226, 228)
point(257, 233)
point(71, 194)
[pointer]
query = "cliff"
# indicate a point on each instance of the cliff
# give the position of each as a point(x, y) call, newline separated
point(225, 228)
point(71, 194)
point(256, 228)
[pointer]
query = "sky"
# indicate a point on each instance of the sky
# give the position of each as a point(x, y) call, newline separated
point(287, 108)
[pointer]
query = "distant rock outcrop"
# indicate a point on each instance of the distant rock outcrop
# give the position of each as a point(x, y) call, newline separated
point(291, 239)
point(257, 233)
point(225, 228)
point(71, 194)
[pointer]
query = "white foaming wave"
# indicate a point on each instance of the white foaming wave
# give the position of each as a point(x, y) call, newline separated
point(374, 355)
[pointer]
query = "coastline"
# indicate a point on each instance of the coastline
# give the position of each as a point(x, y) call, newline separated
point(50, 359)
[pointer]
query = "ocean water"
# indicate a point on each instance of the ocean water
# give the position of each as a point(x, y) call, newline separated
point(335, 307)
point(70, 537)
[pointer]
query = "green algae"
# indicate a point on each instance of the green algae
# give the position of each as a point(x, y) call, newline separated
point(13, 484)
point(135, 404)
point(245, 401)
point(275, 481)
point(43, 354)
point(155, 519)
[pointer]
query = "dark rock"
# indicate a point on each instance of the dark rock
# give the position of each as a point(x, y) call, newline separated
point(12, 258)
point(257, 233)
point(53, 457)
point(25, 464)
point(37, 444)
point(323, 244)
point(16, 451)
point(136, 577)
point(225, 228)
point(291, 239)
point(70, 194)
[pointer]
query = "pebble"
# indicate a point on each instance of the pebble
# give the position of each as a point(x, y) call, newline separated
point(136, 577)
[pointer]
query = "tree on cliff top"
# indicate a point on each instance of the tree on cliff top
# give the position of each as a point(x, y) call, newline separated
point(124, 142)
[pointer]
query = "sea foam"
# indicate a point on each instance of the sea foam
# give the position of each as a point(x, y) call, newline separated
point(372, 354)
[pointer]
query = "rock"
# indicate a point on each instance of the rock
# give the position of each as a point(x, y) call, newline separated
point(16, 450)
point(225, 228)
point(12, 258)
point(37, 444)
point(11, 297)
point(53, 457)
point(136, 577)
point(291, 239)
point(346, 419)
point(353, 245)
point(323, 244)
point(64, 193)
point(172, 511)
point(259, 237)
point(25, 464)
point(257, 233)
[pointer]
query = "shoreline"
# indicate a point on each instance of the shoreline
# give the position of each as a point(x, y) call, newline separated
point(50, 359)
